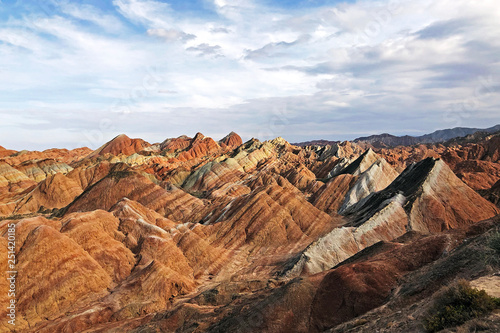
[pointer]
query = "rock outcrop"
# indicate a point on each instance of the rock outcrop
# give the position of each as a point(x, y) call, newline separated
point(231, 140)
point(121, 144)
point(197, 235)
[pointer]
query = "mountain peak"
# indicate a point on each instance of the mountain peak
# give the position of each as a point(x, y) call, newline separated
point(232, 140)
point(121, 144)
point(198, 136)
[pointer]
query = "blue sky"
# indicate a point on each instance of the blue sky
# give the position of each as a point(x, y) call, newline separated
point(77, 73)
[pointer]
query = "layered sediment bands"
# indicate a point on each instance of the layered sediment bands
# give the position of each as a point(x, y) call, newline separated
point(55, 191)
point(14, 186)
point(331, 196)
point(121, 144)
point(355, 288)
point(231, 140)
point(474, 163)
point(165, 251)
point(354, 181)
point(173, 203)
point(147, 290)
point(214, 174)
point(59, 278)
point(89, 174)
point(199, 146)
point(39, 170)
point(428, 190)
point(60, 155)
point(375, 178)
point(361, 164)
point(427, 197)
point(128, 209)
point(447, 203)
point(6, 152)
point(301, 177)
point(348, 150)
point(97, 233)
point(272, 215)
point(205, 258)
point(10, 175)
point(197, 235)
point(25, 226)
point(176, 144)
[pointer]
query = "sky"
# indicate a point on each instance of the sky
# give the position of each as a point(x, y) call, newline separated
point(78, 73)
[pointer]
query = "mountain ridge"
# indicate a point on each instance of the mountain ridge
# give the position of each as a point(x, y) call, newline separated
point(389, 140)
point(200, 235)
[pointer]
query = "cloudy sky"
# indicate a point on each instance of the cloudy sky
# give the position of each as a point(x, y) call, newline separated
point(77, 73)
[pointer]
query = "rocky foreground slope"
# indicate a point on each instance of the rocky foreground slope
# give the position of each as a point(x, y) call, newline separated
point(196, 235)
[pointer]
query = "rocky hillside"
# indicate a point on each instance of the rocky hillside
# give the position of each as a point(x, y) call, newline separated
point(194, 234)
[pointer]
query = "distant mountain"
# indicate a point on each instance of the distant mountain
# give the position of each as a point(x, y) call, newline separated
point(316, 143)
point(447, 134)
point(388, 140)
point(385, 139)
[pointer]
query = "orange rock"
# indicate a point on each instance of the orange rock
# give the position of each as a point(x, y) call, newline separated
point(199, 146)
point(147, 290)
point(159, 237)
point(60, 155)
point(231, 140)
point(55, 275)
point(56, 191)
point(173, 145)
point(97, 233)
point(331, 196)
point(39, 170)
point(6, 152)
point(121, 144)
point(174, 203)
point(87, 175)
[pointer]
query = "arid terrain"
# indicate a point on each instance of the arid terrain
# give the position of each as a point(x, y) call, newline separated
point(198, 235)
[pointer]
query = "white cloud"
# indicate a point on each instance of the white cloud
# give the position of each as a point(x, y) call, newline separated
point(89, 13)
point(153, 13)
point(349, 69)
point(171, 35)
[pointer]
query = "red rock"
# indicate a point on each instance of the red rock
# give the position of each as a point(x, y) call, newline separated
point(355, 288)
point(89, 174)
point(173, 145)
point(147, 290)
point(60, 155)
point(331, 196)
point(97, 233)
point(40, 169)
point(6, 152)
point(274, 215)
point(56, 191)
point(56, 272)
point(128, 209)
point(193, 232)
point(199, 146)
point(427, 197)
point(231, 140)
point(121, 144)
point(174, 203)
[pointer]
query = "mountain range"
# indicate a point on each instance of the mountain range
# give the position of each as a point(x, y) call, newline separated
point(195, 234)
point(388, 140)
